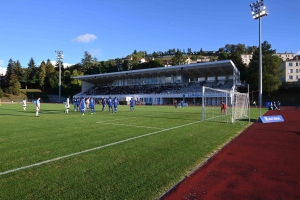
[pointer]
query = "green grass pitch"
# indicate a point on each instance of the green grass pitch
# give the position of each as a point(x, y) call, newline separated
point(123, 155)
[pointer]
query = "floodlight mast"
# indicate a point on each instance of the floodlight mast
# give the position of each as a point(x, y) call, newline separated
point(258, 11)
point(59, 57)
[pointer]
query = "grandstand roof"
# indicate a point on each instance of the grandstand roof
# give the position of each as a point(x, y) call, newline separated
point(207, 69)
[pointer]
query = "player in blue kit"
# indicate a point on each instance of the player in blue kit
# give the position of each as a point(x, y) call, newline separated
point(109, 102)
point(115, 103)
point(103, 104)
point(132, 102)
point(92, 105)
point(82, 105)
point(74, 103)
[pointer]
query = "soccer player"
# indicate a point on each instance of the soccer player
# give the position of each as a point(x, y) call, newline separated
point(75, 104)
point(38, 106)
point(109, 102)
point(92, 105)
point(103, 104)
point(175, 103)
point(278, 105)
point(275, 106)
point(67, 105)
point(87, 103)
point(181, 104)
point(82, 105)
point(254, 103)
point(115, 104)
point(24, 104)
point(223, 107)
point(132, 102)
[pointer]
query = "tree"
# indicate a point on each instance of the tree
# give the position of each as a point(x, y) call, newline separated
point(1, 93)
point(234, 52)
point(75, 84)
point(178, 59)
point(251, 49)
point(20, 72)
point(8, 73)
point(53, 80)
point(194, 57)
point(272, 73)
point(87, 63)
point(14, 72)
point(126, 65)
point(14, 85)
point(33, 75)
point(49, 70)
point(271, 69)
point(201, 52)
point(155, 55)
point(42, 74)
point(223, 56)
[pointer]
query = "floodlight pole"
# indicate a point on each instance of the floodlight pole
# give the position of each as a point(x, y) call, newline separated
point(260, 68)
point(258, 11)
point(59, 57)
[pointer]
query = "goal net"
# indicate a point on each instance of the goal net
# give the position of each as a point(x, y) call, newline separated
point(237, 105)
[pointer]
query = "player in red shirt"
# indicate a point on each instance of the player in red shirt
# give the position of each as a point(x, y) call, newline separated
point(223, 107)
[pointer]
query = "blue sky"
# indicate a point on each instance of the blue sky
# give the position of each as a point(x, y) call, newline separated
point(111, 29)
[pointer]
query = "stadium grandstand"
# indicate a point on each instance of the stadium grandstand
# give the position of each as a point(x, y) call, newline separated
point(162, 85)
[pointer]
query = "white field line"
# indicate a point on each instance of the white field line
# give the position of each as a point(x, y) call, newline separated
point(135, 126)
point(93, 149)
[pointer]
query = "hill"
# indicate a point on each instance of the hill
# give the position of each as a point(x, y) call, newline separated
point(28, 94)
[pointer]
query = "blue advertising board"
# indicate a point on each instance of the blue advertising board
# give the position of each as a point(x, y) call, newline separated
point(271, 119)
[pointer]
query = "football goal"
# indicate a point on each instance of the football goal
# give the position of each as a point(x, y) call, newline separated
point(236, 105)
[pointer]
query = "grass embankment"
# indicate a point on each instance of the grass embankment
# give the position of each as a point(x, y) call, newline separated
point(28, 94)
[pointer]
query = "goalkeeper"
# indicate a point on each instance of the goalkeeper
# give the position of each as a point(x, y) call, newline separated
point(223, 107)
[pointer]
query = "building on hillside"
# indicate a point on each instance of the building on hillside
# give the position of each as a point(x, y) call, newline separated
point(200, 60)
point(291, 70)
point(286, 56)
point(141, 60)
point(246, 58)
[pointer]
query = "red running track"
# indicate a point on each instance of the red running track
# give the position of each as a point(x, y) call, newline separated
point(262, 163)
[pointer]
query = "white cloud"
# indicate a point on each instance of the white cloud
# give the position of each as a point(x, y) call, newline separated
point(85, 38)
point(2, 68)
point(53, 62)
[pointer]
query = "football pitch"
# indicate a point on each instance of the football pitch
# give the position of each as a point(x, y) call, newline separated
point(123, 155)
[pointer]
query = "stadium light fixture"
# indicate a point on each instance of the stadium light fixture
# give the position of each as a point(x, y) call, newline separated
point(258, 11)
point(59, 57)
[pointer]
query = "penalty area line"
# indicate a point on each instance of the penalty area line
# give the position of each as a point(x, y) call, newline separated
point(93, 149)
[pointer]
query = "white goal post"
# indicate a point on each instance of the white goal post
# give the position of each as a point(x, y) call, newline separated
point(237, 105)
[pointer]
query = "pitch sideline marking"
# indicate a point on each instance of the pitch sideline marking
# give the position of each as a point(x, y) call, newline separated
point(93, 149)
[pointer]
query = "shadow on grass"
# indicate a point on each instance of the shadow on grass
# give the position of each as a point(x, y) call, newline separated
point(251, 120)
point(14, 115)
